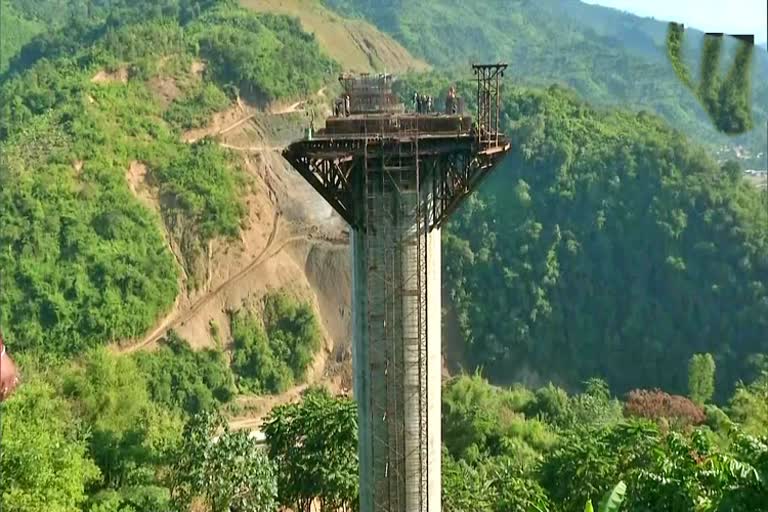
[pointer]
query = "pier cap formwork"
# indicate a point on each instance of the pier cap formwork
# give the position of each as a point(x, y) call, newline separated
point(454, 152)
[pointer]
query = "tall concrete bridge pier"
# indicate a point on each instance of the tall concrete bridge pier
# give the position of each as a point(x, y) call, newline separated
point(395, 176)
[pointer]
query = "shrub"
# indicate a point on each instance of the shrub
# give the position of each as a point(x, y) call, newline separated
point(550, 403)
point(180, 377)
point(194, 109)
point(271, 354)
point(200, 183)
point(657, 405)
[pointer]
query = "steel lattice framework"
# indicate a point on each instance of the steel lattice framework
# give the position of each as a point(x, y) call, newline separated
point(338, 168)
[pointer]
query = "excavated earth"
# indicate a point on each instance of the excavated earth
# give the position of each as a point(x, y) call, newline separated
point(291, 240)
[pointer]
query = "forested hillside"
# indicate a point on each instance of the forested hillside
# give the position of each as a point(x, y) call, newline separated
point(354, 43)
point(622, 249)
point(84, 262)
point(613, 211)
point(16, 30)
point(107, 205)
point(608, 57)
point(606, 245)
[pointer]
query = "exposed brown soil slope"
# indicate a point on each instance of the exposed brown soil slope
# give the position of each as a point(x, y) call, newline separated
point(355, 44)
point(291, 240)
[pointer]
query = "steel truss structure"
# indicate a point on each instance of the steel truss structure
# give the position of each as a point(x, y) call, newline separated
point(453, 166)
point(489, 102)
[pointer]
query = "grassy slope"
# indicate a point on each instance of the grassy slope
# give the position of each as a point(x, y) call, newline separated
point(609, 57)
point(356, 44)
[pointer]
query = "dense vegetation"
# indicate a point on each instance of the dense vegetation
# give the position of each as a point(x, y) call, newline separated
point(274, 351)
point(194, 109)
point(221, 470)
point(607, 56)
point(17, 30)
point(606, 245)
point(99, 435)
point(84, 261)
point(521, 450)
point(104, 432)
point(181, 378)
point(314, 444)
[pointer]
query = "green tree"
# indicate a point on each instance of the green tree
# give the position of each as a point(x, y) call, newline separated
point(254, 361)
point(470, 415)
point(589, 462)
point(464, 488)
point(43, 453)
point(594, 406)
point(691, 473)
point(227, 470)
point(130, 434)
point(182, 378)
point(701, 378)
point(749, 405)
point(750, 453)
point(480, 420)
point(273, 352)
point(314, 444)
point(514, 489)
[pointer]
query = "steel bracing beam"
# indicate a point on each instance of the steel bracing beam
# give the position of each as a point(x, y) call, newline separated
point(330, 178)
point(453, 170)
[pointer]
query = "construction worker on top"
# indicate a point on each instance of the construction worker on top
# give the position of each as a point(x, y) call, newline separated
point(9, 376)
point(450, 101)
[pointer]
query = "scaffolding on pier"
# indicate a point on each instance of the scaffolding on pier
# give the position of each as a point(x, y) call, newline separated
point(396, 247)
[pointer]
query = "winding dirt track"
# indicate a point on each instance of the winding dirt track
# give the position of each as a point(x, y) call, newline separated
point(183, 312)
point(252, 148)
point(177, 316)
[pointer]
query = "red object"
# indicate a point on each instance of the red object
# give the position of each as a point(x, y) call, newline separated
point(9, 376)
point(656, 405)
